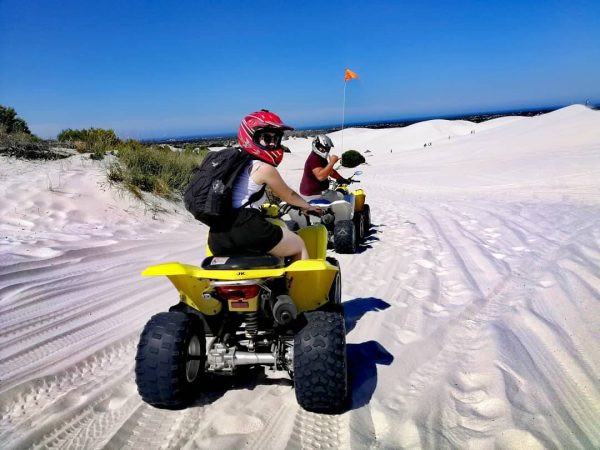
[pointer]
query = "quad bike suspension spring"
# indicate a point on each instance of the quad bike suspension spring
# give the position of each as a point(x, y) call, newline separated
point(251, 324)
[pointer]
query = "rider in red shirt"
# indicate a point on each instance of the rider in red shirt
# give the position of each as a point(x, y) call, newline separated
point(319, 167)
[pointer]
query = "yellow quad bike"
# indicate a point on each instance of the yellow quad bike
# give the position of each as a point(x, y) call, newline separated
point(241, 311)
point(345, 215)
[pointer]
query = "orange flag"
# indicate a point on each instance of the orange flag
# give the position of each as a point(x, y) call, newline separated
point(349, 75)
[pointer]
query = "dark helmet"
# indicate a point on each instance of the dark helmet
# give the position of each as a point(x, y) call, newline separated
point(260, 134)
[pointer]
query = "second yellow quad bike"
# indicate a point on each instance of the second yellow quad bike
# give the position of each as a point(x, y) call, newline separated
point(240, 311)
point(345, 215)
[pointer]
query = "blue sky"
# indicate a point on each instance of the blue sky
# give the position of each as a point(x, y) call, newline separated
point(165, 68)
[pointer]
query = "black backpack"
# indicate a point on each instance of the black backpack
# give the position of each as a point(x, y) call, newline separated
point(208, 194)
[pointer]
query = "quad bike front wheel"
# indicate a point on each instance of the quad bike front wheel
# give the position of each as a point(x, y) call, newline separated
point(320, 366)
point(170, 359)
point(344, 236)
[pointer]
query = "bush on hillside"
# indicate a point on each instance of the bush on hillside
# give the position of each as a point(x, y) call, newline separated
point(352, 158)
point(28, 148)
point(11, 124)
point(70, 135)
point(17, 141)
point(152, 169)
point(96, 141)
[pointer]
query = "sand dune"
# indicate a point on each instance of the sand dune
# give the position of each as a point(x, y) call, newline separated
point(472, 311)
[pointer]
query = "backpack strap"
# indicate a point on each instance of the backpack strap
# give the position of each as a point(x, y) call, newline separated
point(258, 194)
point(242, 160)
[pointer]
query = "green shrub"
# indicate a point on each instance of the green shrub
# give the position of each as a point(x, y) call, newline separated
point(10, 123)
point(286, 149)
point(153, 169)
point(352, 158)
point(70, 135)
point(115, 173)
point(17, 141)
point(96, 141)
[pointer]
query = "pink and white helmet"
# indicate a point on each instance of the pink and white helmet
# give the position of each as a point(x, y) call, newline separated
point(260, 134)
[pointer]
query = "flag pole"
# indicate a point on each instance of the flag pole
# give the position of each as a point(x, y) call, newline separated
point(343, 115)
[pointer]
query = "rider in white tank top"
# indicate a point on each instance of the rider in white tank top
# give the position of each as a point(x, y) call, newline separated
point(244, 187)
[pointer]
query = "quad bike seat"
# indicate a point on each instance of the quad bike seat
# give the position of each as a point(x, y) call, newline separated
point(242, 262)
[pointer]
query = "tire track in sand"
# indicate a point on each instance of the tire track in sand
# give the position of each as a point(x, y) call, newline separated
point(465, 338)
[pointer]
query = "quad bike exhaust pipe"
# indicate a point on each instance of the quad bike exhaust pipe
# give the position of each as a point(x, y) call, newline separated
point(245, 358)
point(284, 310)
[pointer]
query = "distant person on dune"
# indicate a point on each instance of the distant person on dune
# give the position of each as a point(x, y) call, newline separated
point(318, 168)
point(260, 135)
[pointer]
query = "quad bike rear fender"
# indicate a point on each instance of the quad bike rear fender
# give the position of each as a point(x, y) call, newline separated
point(343, 209)
point(359, 200)
point(309, 280)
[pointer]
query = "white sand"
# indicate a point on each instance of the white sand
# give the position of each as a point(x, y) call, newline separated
point(473, 313)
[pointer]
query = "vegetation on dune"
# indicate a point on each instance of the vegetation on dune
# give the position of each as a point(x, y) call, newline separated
point(96, 141)
point(10, 123)
point(155, 169)
point(352, 158)
point(139, 167)
point(10, 145)
point(158, 169)
point(16, 139)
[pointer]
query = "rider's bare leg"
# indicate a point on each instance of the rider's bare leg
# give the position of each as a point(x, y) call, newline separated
point(290, 245)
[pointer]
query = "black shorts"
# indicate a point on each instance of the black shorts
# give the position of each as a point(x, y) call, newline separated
point(248, 233)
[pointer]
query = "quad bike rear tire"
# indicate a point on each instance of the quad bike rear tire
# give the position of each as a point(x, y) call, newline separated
point(367, 214)
point(359, 223)
point(170, 360)
point(344, 236)
point(320, 365)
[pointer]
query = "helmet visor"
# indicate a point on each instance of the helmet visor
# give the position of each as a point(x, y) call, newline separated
point(323, 148)
point(268, 139)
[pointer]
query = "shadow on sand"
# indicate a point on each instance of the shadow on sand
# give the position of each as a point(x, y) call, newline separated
point(363, 358)
point(368, 240)
point(355, 309)
point(362, 370)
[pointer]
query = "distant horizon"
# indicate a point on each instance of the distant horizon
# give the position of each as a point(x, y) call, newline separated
point(383, 120)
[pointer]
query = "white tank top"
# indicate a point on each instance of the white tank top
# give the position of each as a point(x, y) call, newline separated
point(244, 187)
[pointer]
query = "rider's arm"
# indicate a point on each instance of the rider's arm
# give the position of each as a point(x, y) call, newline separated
point(321, 173)
point(335, 175)
point(269, 175)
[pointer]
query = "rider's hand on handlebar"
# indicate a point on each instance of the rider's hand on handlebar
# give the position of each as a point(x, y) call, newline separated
point(313, 211)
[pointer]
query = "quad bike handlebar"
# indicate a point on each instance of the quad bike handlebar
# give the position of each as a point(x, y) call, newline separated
point(277, 211)
point(349, 180)
point(284, 208)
